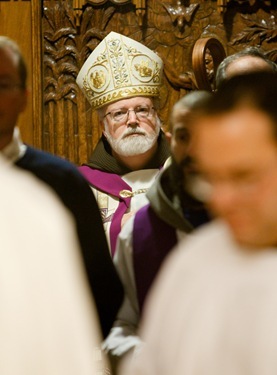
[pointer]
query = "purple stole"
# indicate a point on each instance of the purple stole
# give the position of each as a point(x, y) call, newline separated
point(152, 241)
point(112, 184)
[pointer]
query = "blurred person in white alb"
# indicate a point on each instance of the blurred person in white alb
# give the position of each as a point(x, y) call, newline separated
point(213, 309)
point(122, 79)
point(48, 321)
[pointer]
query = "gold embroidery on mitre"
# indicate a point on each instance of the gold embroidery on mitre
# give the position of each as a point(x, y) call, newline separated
point(123, 94)
point(118, 63)
point(120, 68)
point(143, 69)
point(98, 79)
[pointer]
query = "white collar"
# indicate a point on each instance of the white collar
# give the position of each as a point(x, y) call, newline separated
point(15, 149)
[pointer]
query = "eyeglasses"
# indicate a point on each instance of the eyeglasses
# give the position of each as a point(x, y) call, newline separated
point(8, 87)
point(121, 114)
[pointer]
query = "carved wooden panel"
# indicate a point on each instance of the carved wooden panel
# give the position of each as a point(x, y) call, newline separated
point(171, 28)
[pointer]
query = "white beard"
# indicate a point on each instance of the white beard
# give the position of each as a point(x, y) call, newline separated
point(132, 145)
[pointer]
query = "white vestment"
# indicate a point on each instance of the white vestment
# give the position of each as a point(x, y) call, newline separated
point(140, 181)
point(212, 310)
point(124, 336)
point(48, 322)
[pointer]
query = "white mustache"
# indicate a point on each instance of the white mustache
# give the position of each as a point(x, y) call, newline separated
point(130, 131)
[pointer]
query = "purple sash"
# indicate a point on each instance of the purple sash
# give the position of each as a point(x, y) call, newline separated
point(111, 184)
point(152, 241)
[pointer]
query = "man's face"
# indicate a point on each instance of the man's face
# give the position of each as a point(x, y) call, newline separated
point(237, 156)
point(180, 146)
point(180, 138)
point(181, 167)
point(12, 97)
point(137, 131)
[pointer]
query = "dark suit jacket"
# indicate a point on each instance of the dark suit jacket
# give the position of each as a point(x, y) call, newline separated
point(73, 190)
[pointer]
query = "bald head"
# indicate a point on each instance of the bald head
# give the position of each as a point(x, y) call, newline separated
point(249, 60)
point(247, 64)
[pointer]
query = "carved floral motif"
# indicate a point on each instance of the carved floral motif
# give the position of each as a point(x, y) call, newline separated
point(170, 28)
point(257, 31)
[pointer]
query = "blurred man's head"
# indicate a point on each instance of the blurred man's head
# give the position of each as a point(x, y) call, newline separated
point(235, 146)
point(181, 117)
point(13, 93)
point(250, 59)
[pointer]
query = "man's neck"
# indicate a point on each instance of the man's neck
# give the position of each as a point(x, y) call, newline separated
point(11, 146)
point(136, 162)
point(5, 139)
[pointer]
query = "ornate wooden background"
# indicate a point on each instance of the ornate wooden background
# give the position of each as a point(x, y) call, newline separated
point(72, 29)
point(21, 21)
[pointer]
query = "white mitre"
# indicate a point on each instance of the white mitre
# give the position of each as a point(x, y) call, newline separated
point(120, 68)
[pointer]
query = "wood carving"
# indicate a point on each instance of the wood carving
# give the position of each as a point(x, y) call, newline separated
point(140, 6)
point(222, 5)
point(179, 14)
point(173, 29)
point(101, 2)
point(78, 8)
point(257, 31)
point(206, 56)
